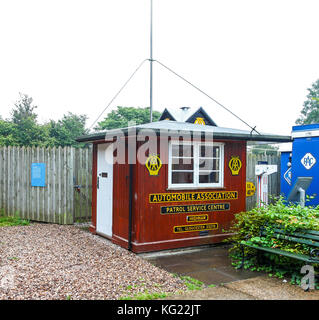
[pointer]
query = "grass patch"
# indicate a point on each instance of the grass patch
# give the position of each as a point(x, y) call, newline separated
point(13, 258)
point(145, 296)
point(192, 283)
point(13, 221)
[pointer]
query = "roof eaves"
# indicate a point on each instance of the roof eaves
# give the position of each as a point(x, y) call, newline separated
point(175, 131)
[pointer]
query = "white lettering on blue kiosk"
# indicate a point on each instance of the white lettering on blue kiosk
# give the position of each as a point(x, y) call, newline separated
point(308, 161)
point(287, 176)
point(38, 174)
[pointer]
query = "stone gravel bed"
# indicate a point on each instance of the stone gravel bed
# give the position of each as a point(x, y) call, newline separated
point(48, 262)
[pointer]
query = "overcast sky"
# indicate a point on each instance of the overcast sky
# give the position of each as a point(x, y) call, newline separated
point(256, 57)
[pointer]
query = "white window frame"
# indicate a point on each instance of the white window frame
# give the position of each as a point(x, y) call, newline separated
point(196, 184)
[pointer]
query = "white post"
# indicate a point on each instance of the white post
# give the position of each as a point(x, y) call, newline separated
point(262, 172)
point(302, 193)
point(151, 64)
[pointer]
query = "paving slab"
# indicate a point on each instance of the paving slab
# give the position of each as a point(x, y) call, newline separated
point(258, 288)
point(267, 288)
point(211, 265)
point(216, 293)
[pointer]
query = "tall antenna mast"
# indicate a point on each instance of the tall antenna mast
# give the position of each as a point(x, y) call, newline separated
point(151, 65)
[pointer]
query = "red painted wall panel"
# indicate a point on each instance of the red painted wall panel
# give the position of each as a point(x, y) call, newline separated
point(152, 230)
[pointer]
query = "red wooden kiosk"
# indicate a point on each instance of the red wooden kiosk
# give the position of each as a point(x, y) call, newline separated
point(176, 184)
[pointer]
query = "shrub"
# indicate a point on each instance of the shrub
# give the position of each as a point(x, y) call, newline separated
point(291, 217)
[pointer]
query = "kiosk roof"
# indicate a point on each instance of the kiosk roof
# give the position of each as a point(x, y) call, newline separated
point(174, 128)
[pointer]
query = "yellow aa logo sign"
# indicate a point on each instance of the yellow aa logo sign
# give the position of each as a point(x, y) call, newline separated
point(153, 164)
point(199, 121)
point(235, 165)
point(250, 189)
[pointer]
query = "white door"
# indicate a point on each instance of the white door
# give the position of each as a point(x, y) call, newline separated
point(104, 189)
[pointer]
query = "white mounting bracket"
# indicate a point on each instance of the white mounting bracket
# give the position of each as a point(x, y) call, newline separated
point(262, 172)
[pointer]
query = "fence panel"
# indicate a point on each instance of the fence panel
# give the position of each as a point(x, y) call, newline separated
point(57, 202)
point(83, 184)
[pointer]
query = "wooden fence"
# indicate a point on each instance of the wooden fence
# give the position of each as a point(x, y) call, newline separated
point(66, 197)
point(273, 179)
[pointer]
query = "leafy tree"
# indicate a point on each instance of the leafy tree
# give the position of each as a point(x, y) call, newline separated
point(64, 132)
point(7, 133)
point(265, 149)
point(310, 111)
point(23, 110)
point(25, 129)
point(22, 129)
point(119, 118)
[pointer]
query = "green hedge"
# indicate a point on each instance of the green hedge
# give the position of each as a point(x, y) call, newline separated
point(291, 217)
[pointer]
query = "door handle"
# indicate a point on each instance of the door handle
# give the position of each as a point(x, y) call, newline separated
point(98, 182)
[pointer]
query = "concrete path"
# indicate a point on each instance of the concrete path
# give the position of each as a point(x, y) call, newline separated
point(259, 288)
point(212, 265)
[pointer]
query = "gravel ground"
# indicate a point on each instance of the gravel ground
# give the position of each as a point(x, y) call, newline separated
point(46, 261)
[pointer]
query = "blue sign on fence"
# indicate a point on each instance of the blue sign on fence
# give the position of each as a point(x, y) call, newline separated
point(38, 174)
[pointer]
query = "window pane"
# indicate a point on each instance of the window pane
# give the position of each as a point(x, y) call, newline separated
point(182, 150)
point(207, 161)
point(182, 177)
point(209, 151)
point(208, 164)
point(182, 164)
point(209, 177)
point(206, 151)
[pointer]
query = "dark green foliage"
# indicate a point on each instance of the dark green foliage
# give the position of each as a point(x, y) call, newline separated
point(23, 109)
point(121, 117)
point(292, 218)
point(65, 131)
point(310, 111)
point(24, 130)
point(7, 133)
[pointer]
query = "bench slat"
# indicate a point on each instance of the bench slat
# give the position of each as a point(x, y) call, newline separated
point(284, 253)
point(294, 239)
point(316, 233)
point(306, 234)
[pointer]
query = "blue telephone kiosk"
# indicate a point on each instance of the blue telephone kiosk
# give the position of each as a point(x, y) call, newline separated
point(301, 165)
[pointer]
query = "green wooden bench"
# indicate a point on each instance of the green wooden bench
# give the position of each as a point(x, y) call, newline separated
point(309, 237)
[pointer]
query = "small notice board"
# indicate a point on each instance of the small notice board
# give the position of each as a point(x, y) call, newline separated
point(38, 174)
